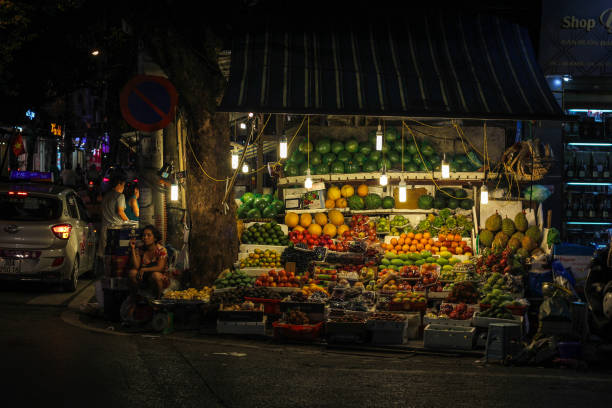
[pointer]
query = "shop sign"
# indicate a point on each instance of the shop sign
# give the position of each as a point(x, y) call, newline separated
point(576, 37)
point(56, 130)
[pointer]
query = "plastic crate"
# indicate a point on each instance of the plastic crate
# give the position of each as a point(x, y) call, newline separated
point(449, 337)
point(303, 332)
point(271, 306)
point(241, 315)
point(503, 339)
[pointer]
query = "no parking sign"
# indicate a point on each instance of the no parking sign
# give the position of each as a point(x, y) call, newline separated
point(148, 102)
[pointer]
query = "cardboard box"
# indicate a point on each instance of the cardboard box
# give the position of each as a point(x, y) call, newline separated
point(295, 198)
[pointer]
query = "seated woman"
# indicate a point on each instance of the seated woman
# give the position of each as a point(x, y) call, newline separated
point(149, 263)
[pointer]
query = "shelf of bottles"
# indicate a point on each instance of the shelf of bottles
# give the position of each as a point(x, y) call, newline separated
point(587, 178)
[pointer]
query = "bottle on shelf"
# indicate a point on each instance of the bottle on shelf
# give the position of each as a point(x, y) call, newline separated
point(606, 208)
point(575, 206)
point(568, 206)
point(582, 170)
point(580, 212)
point(594, 172)
point(570, 166)
point(591, 212)
point(606, 171)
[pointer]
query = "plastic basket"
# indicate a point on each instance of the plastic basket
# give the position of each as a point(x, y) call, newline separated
point(271, 306)
point(303, 332)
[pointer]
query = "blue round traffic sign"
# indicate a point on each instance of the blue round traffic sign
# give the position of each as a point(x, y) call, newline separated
point(148, 102)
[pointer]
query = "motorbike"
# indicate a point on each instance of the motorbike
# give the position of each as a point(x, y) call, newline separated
point(598, 293)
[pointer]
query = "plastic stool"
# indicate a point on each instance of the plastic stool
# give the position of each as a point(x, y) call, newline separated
point(503, 339)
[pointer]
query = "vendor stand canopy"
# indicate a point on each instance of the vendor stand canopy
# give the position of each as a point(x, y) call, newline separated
point(433, 65)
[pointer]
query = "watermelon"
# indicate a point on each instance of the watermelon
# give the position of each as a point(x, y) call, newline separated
point(344, 156)
point(365, 148)
point(355, 202)
point(411, 148)
point(352, 167)
point(253, 213)
point(394, 157)
point(439, 202)
point(242, 211)
point(278, 205)
point(303, 168)
point(297, 158)
point(407, 159)
point(387, 147)
point(269, 212)
point(323, 146)
point(246, 197)
point(453, 203)
point(260, 204)
point(375, 155)
point(466, 203)
point(328, 158)
point(425, 202)
point(337, 167)
point(351, 146)
point(391, 135)
point(305, 146)
point(427, 150)
point(322, 169)
point(268, 198)
point(291, 170)
point(359, 158)
point(388, 202)
point(465, 167)
point(337, 147)
point(384, 162)
point(411, 167)
point(372, 201)
point(315, 159)
point(398, 146)
point(372, 137)
point(370, 166)
point(460, 193)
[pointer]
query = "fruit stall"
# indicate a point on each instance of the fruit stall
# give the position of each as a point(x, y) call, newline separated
point(356, 247)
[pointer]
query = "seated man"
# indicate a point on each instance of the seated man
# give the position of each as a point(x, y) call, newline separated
point(149, 263)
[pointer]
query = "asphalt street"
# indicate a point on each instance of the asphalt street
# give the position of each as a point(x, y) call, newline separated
point(48, 361)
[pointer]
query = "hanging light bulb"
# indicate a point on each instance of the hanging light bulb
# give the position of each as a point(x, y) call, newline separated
point(402, 191)
point(174, 190)
point(250, 114)
point(282, 149)
point(235, 159)
point(245, 168)
point(308, 181)
point(484, 195)
point(379, 139)
point(445, 168)
point(383, 178)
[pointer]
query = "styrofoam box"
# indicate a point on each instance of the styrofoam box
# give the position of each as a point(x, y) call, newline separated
point(257, 328)
point(442, 321)
point(449, 337)
point(479, 321)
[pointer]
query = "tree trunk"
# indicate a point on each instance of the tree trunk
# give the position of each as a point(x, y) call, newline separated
point(200, 84)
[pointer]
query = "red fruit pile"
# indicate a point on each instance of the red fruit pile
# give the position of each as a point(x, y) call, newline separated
point(280, 278)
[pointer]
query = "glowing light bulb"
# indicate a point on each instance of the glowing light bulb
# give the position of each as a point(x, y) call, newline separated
point(282, 149)
point(308, 181)
point(174, 192)
point(445, 168)
point(402, 191)
point(250, 114)
point(484, 195)
point(235, 159)
point(243, 126)
point(379, 139)
point(383, 179)
point(245, 168)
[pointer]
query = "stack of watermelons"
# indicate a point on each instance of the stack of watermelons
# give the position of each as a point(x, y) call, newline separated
point(259, 206)
point(352, 156)
point(455, 198)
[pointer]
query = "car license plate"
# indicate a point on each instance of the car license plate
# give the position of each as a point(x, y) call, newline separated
point(10, 266)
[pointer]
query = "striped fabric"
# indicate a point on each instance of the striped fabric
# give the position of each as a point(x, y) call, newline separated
point(435, 66)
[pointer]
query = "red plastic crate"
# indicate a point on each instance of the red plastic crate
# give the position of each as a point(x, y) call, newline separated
point(305, 332)
point(271, 306)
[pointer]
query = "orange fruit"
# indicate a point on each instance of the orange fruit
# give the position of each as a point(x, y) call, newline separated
point(430, 241)
point(426, 235)
point(441, 237)
point(424, 241)
point(394, 241)
point(418, 236)
point(454, 244)
point(362, 190)
point(428, 247)
point(410, 235)
point(401, 252)
point(434, 250)
point(403, 236)
point(413, 248)
point(405, 248)
point(457, 237)
point(330, 203)
point(420, 246)
point(415, 241)
point(459, 250)
point(401, 241)
point(398, 247)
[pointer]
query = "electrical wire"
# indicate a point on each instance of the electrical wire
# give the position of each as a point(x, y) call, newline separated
point(425, 124)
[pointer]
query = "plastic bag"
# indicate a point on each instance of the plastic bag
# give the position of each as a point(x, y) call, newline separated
point(537, 193)
point(555, 308)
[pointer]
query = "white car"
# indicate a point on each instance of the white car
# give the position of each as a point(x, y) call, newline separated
point(46, 234)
